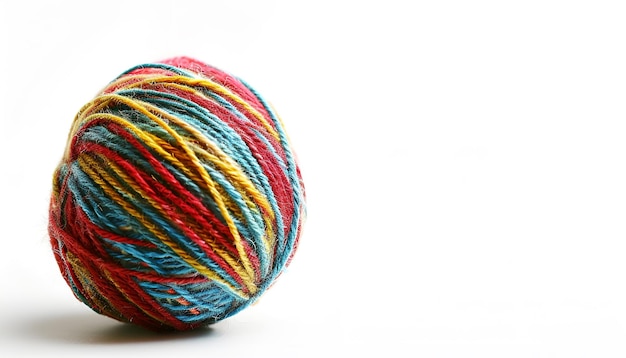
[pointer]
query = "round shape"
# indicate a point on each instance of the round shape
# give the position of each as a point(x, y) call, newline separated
point(178, 200)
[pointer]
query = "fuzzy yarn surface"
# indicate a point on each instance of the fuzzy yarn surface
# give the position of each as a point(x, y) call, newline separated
point(178, 200)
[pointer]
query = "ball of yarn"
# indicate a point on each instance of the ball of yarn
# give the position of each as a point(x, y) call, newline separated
point(178, 200)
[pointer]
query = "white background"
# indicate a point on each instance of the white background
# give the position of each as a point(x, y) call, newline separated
point(464, 160)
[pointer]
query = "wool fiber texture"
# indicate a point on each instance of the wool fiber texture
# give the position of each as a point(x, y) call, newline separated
point(178, 200)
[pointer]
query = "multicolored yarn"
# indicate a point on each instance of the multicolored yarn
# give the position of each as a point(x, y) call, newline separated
point(178, 200)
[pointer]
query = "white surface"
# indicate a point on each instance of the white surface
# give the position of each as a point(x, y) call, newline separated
point(465, 167)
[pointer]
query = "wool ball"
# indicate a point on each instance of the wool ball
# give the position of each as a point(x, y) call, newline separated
point(178, 200)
